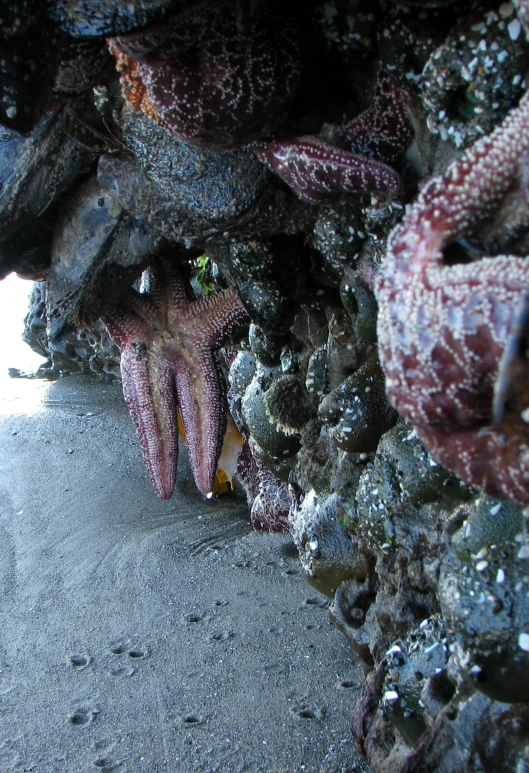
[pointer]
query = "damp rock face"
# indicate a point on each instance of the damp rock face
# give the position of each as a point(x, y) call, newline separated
point(36, 170)
point(484, 601)
point(214, 187)
point(474, 75)
point(327, 554)
point(92, 235)
point(73, 349)
point(106, 172)
point(104, 18)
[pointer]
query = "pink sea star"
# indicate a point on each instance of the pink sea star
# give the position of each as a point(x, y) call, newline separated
point(167, 339)
point(443, 329)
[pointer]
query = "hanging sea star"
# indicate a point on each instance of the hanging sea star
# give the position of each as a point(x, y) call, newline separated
point(384, 129)
point(317, 171)
point(443, 329)
point(208, 82)
point(167, 340)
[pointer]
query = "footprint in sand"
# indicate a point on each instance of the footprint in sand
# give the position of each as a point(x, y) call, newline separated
point(79, 662)
point(104, 761)
point(122, 671)
point(136, 653)
point(82, 716)
point(124, 648)
point(121, 648)
point(107, 765)
point(104, 746)
point(192, 720)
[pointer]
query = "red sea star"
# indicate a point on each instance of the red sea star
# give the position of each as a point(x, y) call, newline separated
point(442, 329)
point(167, 340)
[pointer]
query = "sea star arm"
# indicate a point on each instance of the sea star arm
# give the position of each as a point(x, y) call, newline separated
point(148, 386)
point(470, 190)
point(384, 129)
point(126, 320)
point(200, 385)
point(442, 329)
point(218, 315)
point(203, 408)
point(149, 391)
point(317, 170)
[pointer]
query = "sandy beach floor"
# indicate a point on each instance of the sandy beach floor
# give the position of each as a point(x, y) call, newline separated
point(144, 636)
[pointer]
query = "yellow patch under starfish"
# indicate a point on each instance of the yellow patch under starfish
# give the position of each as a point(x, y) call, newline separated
point(225, 480)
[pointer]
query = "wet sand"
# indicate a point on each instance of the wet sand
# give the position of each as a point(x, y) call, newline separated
point(147, 636)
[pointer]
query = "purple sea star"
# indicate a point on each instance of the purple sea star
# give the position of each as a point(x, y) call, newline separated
point(206, 81)
point(167, 340)
point(443, 329)
point(317, 170)
point(384, 129)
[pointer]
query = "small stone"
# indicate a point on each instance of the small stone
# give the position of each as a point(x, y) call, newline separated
point(514, 29)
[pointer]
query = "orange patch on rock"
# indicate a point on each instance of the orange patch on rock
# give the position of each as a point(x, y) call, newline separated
point(132, 87)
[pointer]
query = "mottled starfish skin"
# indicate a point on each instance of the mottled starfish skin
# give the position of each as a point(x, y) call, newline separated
point(384, 129)
point(207, 82)
point(317, 170)
point(443, 329)
point(167, 342)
